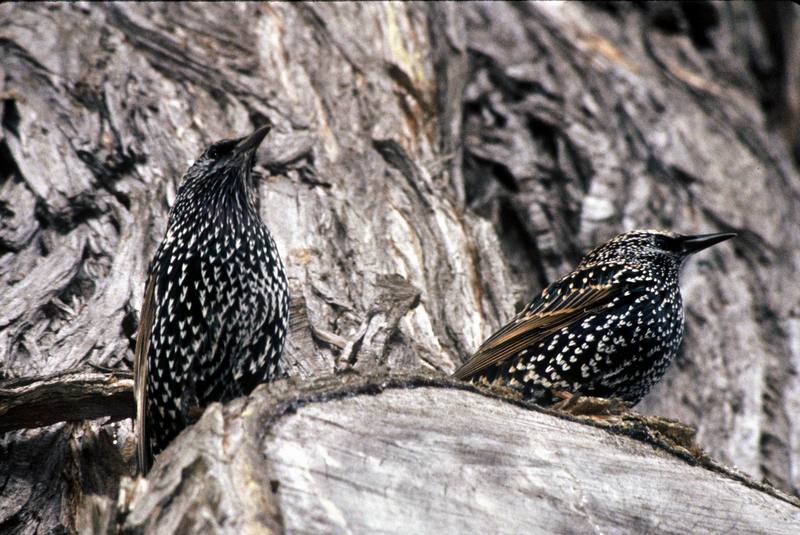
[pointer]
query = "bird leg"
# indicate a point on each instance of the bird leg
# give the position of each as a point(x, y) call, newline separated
point(190, 407)
point(601, 409)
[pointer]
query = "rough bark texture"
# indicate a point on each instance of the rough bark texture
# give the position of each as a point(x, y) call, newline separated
point(69, 396)
point(415, 454)
point(431, 168)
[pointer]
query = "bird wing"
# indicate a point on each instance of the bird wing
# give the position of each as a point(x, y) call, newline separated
point(546, 315)
point(140, 373)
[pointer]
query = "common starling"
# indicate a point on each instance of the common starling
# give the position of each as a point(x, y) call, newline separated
point(216, 308)
point(609, 329)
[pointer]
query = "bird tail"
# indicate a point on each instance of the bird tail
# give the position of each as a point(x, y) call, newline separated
point(140, 377)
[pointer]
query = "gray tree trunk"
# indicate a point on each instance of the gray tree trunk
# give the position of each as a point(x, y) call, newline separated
point(432, 167)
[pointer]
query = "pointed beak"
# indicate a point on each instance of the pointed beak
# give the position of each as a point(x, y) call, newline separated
point(693, 244)
point(250, 143)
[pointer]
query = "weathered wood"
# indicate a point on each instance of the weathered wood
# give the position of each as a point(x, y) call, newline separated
point(432, 167)
point(417, 454)
point(62, 397)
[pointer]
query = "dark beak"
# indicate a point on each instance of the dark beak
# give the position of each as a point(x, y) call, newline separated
point(692, 244)
point(250, 143)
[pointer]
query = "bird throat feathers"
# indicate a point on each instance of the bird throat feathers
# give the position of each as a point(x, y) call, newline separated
point(215, 190)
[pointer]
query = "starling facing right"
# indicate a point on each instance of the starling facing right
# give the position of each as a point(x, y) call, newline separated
point(609, 329)
point(216, 303)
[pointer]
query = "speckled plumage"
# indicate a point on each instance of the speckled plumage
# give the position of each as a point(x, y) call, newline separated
point(608, 329)
point(215, 312)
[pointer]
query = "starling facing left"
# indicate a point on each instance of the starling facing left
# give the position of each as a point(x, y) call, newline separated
point(215, 309)
point(609, 329)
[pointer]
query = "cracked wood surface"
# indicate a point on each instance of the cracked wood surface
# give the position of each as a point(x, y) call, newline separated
point(69, 396)
point(434, 461)
point(420, 454)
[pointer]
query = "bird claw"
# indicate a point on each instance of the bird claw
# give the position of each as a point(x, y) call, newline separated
point(599, 409)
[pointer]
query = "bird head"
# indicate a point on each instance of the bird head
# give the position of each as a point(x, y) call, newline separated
point(649, 246)
point(227, 161)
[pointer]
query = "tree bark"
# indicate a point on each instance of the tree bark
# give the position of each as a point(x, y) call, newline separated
point(419, 454)
point(68, 396)
point(431, 168)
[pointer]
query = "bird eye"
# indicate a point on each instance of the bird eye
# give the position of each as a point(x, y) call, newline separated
point(220, 148)
point(667, 244)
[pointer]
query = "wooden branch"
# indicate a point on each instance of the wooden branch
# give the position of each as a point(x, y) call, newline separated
point(68, 396)
point(424, 454)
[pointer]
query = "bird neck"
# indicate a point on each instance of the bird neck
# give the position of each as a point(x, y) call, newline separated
point(661, 271)
point(235, 195)
point(665, 271)
point(221, 200)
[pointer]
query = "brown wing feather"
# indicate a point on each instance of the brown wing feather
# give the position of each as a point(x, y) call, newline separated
point(140, 373)
point(534, 324)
